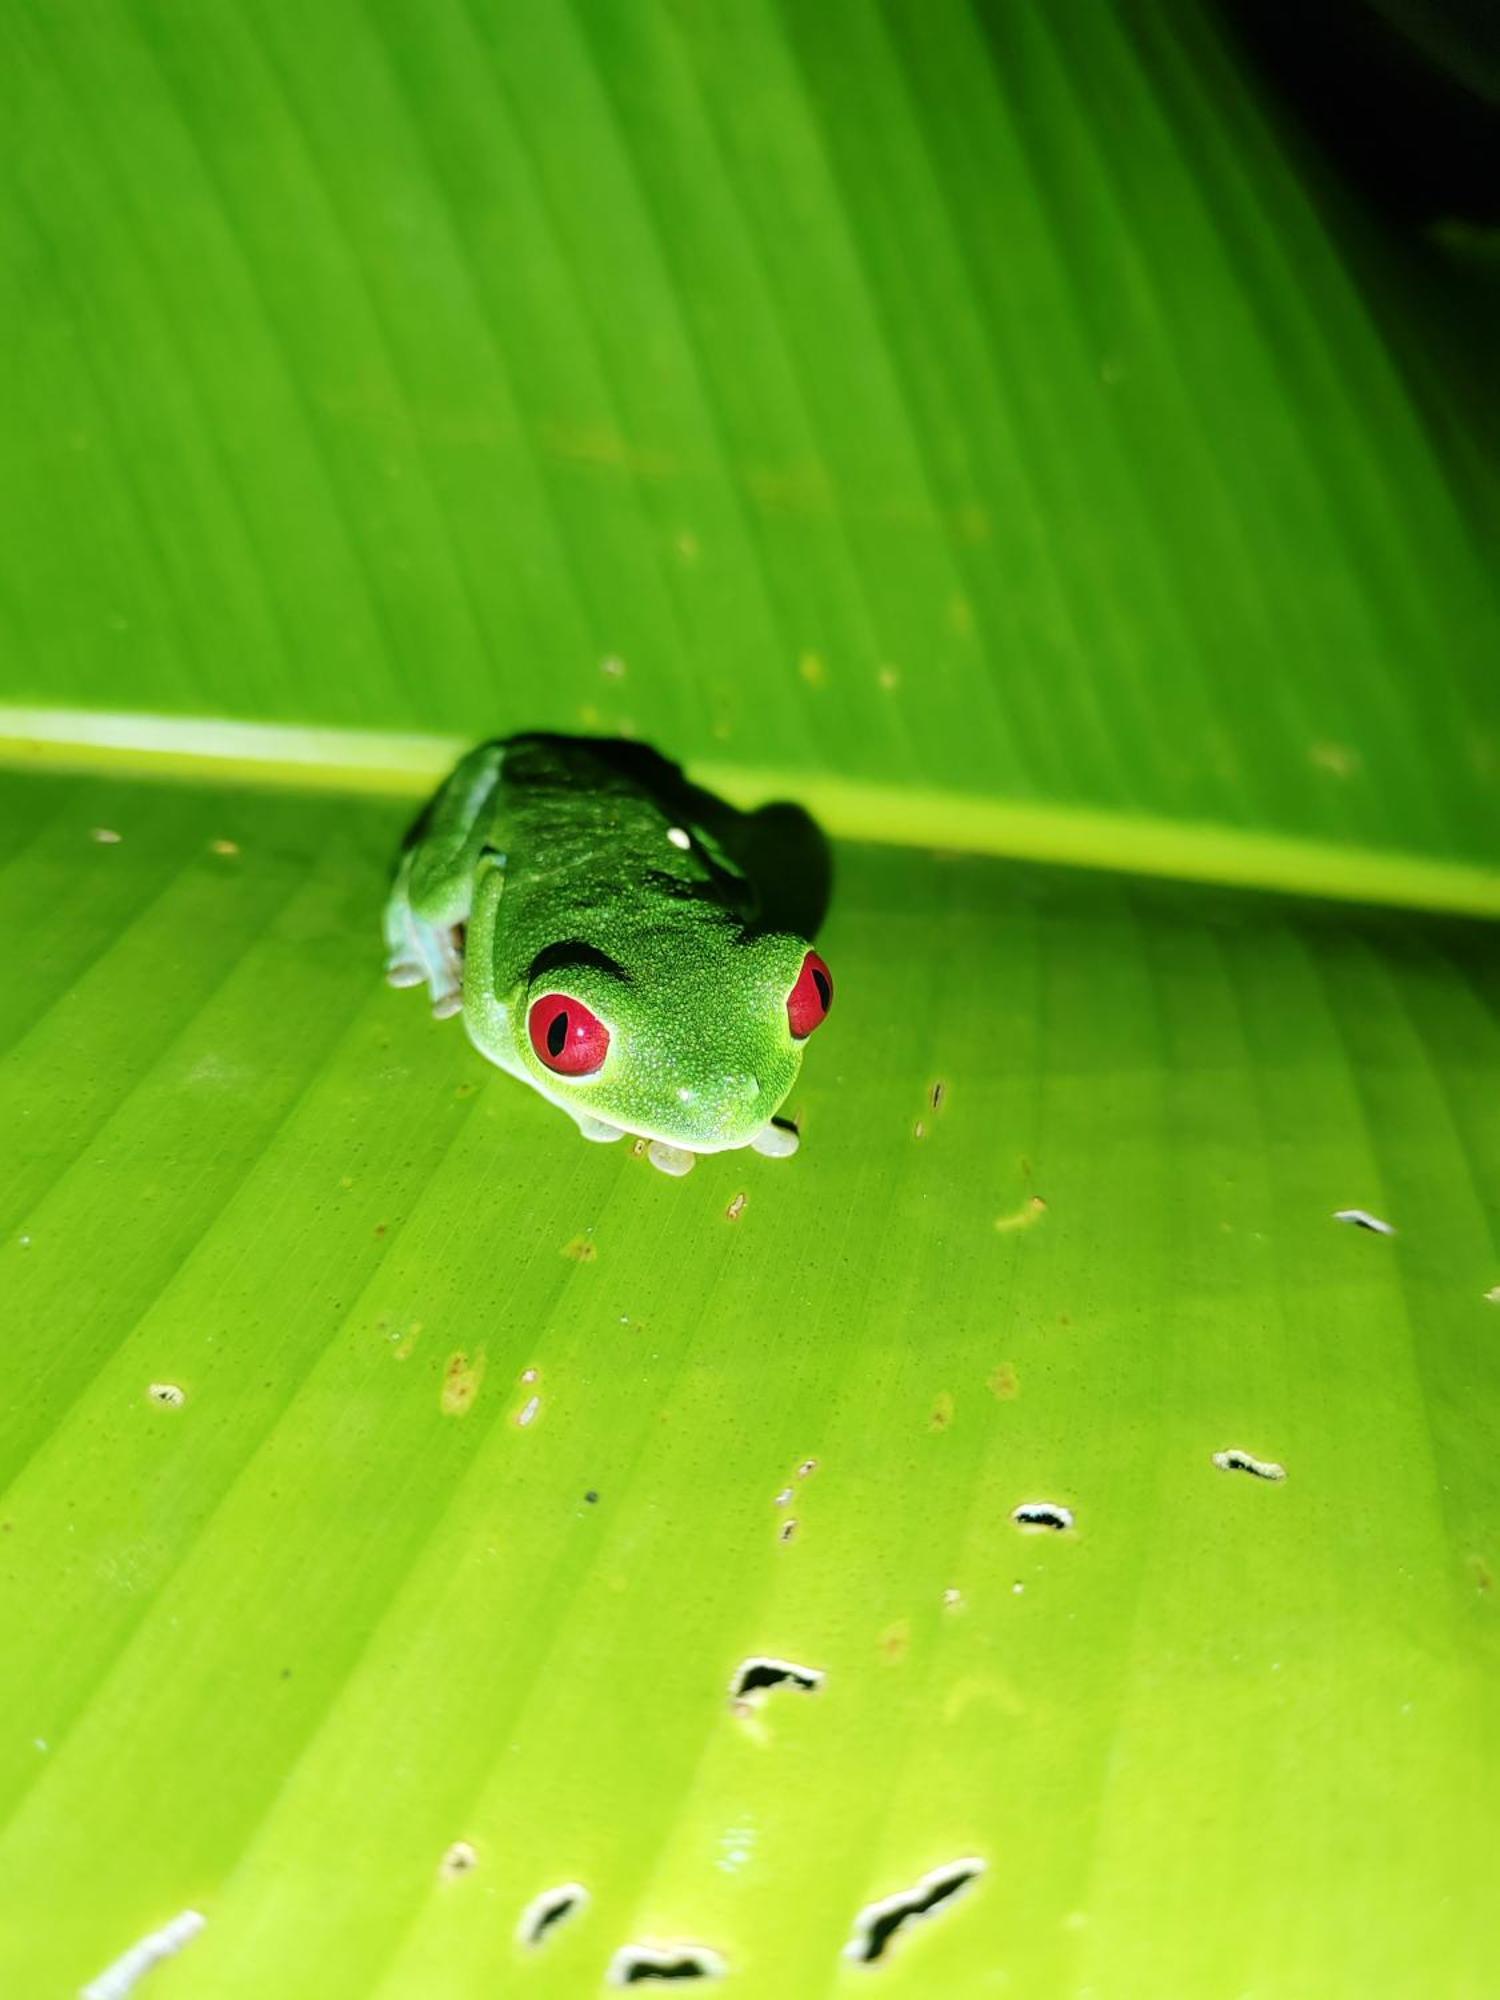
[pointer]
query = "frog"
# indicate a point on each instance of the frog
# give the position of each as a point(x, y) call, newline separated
point(601, 944)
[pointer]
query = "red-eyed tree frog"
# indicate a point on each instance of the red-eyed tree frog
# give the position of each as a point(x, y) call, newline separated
point(604, 949)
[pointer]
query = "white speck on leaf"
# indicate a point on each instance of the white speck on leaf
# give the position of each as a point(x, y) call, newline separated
point(1235, 1460)
point(1362, 1219)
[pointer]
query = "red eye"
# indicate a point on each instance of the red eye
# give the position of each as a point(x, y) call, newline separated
point(808, 1002)
point(567, 1037)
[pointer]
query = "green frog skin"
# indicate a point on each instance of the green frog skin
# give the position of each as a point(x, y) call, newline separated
point(604, 951)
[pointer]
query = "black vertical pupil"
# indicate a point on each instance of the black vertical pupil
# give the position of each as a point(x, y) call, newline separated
point(557, 1033)
point(825, 990)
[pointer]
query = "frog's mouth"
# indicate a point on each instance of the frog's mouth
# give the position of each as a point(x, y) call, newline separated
point(735, 1131)
point(714, 1144)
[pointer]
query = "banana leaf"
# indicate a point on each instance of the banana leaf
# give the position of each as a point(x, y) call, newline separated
point(1043, 1538)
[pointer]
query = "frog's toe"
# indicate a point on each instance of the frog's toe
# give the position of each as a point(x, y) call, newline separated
point(670, 1159)
point(598, 1131)
point(777, 1142)
point(402, 972)
point(446, 1005)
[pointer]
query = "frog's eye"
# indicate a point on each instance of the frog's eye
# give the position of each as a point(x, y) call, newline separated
point(566, 1035)
point(808, 1002)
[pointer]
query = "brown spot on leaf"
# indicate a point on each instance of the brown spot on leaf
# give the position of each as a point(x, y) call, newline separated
point(942, 1411)
point(461, 1380)
point(895, 1641)
point(1004, 1382)
point(1029, 1212)
point(582, 1250)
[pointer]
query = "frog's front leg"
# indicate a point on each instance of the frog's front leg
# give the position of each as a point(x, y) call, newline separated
point(430, 899)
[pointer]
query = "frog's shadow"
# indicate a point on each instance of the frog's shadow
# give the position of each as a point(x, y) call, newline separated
point(783, 851)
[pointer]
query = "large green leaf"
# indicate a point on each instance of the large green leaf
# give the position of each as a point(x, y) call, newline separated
point(961, 396)
point(273, 1650)
point(960, 418)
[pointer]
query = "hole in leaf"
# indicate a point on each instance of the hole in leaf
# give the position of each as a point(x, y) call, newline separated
point(760, 1673)
point(1243, 1461)
point(1042, 1514)
point(634, 1964)
point(877, 1926)
point(132, 1966)
point(544, 1913)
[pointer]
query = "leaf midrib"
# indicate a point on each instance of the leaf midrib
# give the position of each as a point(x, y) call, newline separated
point(300, 757)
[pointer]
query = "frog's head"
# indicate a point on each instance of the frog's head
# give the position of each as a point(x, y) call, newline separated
point(693, 1040)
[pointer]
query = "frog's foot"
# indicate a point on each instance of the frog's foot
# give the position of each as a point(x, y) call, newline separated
point(777, 1142)
point(670, 1159)
point(597, 1130)
point(422, 953)
point(449, 1002)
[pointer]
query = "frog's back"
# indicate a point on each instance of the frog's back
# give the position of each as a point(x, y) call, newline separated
point(565, 808)
point(591, 833)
